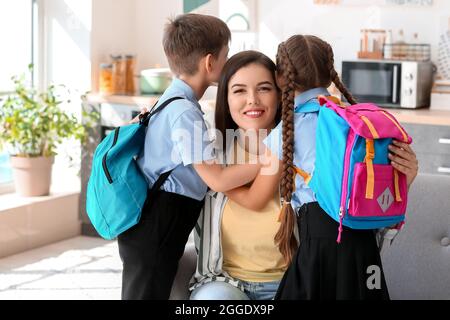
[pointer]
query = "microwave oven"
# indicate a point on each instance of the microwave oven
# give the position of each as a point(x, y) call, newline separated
point(396, 84)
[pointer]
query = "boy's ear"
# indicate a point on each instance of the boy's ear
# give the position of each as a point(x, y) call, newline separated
point(209, 60)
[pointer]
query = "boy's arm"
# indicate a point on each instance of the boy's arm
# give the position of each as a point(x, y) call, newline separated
point(194, 146)
point(266, 184)
point(221, 179)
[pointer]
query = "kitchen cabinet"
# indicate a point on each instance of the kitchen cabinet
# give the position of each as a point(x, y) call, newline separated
point(432, 146)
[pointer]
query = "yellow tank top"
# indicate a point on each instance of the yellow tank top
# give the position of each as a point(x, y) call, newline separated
point(249, 250)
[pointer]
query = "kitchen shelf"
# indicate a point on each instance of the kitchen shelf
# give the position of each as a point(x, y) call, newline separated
point(122, 99)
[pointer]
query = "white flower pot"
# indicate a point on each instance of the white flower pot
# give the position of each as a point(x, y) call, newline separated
point(32, 176)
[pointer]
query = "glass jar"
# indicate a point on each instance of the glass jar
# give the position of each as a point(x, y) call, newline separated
point(118, 74)
point(105, 79)
point(130, 62)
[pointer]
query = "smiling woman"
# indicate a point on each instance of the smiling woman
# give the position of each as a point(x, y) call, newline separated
point(245, 265)
point(251, 100)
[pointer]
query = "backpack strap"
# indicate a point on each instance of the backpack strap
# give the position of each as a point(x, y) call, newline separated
point(145, 118)
point(324, 99)
point(158, 183)
point(405, 136)
point(306, 176)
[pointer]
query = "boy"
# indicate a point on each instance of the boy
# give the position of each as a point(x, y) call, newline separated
point(196, 47)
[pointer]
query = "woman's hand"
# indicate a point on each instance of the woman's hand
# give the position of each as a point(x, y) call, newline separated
point(136, 119)
point(404, 160)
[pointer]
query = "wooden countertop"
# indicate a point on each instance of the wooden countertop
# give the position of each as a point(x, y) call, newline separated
point(122, 99)
point(422, 116)
point(414, 116)
point(142, 101)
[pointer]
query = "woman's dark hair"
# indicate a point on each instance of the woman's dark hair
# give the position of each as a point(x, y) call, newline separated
point(305, 62)
point(223, 119)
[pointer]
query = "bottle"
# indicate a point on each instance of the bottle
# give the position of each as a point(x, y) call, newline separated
point(105, 79)
point(130, 62)
point(387, 49)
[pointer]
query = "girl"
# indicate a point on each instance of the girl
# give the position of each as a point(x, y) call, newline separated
point(233, 263)
point(321, 268)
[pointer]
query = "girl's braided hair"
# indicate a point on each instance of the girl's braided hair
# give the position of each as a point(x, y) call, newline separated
point(303, 63)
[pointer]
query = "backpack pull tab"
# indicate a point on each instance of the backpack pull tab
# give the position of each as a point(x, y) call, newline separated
point(398, 198)
point(370, 155)
point(341, 217)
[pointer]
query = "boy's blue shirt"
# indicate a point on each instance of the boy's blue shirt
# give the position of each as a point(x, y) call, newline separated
point(305, 124)
point(177, 137)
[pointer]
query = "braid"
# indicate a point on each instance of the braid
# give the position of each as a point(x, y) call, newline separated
point(335, 78)
point(284, 238)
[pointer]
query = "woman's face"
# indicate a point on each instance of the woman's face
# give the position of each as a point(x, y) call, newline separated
point(253, 98)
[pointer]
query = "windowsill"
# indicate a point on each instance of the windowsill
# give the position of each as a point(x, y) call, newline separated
point(6, 188)
point(10, 201)
point(31, 222)
point(68, 186)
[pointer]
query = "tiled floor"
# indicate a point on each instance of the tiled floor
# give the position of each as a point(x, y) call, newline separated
point(81, 268)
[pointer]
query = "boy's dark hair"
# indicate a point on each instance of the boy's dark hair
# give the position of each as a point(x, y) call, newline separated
point(305, 62)
point(190, 37)
point(223, 119)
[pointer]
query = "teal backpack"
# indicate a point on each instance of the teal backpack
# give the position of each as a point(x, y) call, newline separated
point(117, 189)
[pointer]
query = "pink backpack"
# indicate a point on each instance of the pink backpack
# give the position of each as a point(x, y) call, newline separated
point(353, 179)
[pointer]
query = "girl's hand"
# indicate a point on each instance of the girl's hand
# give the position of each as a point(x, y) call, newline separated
point(404, 160)
point(136, 119)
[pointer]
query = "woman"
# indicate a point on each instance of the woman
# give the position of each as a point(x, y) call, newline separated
point(238, 258)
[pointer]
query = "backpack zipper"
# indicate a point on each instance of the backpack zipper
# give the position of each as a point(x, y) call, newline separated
point(342, 209)
point(105, 167)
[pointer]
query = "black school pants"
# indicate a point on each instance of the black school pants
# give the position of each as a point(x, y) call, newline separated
point(150, 250)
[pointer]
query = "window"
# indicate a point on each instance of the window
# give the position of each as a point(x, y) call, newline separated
point(5, 172)
point(17, 25)
point(240, 16)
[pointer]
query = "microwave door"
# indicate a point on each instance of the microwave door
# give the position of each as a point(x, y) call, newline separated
point(374, 82)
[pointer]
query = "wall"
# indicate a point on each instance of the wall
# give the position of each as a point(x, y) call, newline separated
point(82, 34)
point(151, 16)
point(114, 30)
point(136, 27)
point(150, 19)
point(340, 24)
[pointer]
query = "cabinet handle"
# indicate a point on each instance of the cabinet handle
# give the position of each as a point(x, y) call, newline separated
point(445, 242)
point(443, 170)
point(444, 140)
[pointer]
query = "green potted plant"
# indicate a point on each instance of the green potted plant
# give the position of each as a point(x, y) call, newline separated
point(32, 124)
